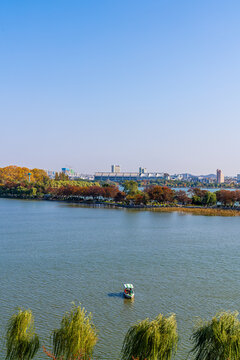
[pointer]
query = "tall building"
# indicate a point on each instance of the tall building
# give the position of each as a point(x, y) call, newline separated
point(67, 171)
point(115, 168)
point(220, 177)
point(142, 170)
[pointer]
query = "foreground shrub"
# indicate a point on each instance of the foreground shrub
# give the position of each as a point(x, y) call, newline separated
point(22, 342)
point(76, 337)
point(152, 340)
point(217, 339)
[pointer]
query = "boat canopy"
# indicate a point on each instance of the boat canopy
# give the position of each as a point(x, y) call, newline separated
point(128, 286)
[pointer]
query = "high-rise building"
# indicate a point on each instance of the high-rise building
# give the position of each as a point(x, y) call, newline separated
point(115, 168)
point(67, 171)
point(220, 177)
point(142, 170)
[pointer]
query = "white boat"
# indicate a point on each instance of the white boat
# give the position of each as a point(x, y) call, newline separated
point(128, 291)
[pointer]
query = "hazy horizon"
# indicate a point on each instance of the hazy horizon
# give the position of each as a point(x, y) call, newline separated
point(90, 84)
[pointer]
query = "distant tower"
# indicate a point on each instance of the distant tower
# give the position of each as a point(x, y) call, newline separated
point(115, 168)
point(29, 176)
point(220, 176)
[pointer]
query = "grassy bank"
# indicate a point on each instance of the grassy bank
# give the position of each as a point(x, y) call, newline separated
point(186, 210)
point(199, 211)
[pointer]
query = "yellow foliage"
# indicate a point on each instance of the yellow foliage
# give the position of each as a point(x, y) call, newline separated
point(17, 174)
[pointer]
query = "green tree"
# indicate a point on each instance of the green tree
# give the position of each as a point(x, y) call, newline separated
point(213, 199)
point(76, 336)
point(152, 340)
point(22, 342)
point(209, 198)
point(217, 339)
point(33, 192)
point(130, 187)
point(196, 200)
point(62, 176)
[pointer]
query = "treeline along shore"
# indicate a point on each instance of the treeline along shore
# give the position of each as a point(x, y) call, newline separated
point(23, 183)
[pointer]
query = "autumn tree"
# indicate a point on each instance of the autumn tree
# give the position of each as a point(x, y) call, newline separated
point(226, 197)
point(13, 173)
point(237, 196)
point(161, 194)
point(120, 196)
point(19, 174)
point(110, 191)
point(141, 198)
point(182, 198)
point(94, 191)
point(39, 175)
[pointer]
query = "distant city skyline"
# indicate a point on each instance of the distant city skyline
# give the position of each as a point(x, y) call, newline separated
point(142, 84)
point(136, 169)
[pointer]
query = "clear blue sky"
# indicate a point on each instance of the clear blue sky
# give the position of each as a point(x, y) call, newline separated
point(151, 83)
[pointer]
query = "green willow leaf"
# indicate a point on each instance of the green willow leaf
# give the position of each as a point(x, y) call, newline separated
point(152, 340)
point(76, 336)
point(217, 339)
point(22, 342)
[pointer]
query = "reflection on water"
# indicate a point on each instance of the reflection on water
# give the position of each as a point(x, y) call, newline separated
point(52, 255)
point(118, 294)
point(129, 302)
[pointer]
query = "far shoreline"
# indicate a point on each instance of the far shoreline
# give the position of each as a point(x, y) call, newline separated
point(191, 210)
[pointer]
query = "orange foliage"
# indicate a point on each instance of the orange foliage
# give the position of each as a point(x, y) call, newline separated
point(18, 174)
point(160, 193)
point(38, 175)
point(227, 197)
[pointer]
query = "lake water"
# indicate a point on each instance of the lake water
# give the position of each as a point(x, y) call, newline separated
point(52, 254)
